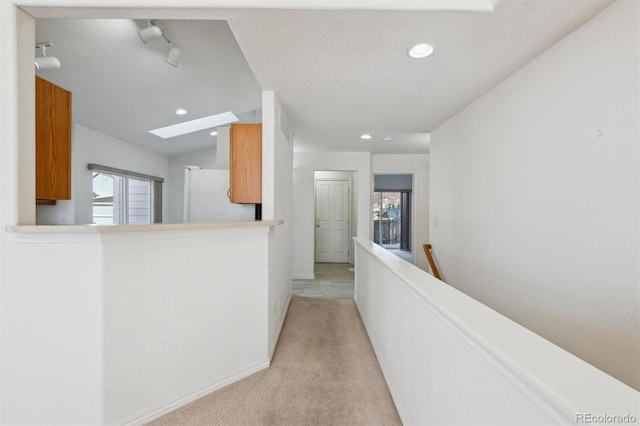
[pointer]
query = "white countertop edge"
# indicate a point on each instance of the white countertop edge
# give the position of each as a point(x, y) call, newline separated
point(105, 229)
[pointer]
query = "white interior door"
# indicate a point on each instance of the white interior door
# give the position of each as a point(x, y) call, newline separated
point(333, 206)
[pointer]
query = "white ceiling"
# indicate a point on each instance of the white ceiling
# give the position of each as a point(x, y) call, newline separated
point(338, 74)
point(124, 88)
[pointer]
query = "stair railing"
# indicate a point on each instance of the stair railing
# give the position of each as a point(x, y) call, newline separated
point(432, 262)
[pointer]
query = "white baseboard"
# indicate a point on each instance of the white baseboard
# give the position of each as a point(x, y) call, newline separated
point(303, 276)
point(186, 399)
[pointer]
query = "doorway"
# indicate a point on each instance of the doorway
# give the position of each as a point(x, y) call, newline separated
point(333, 210)
point(392, 213)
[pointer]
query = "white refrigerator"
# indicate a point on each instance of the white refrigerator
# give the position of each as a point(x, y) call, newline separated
point(206, 198)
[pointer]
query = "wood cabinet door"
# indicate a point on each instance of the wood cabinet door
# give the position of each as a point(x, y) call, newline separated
point(245, 158)
point(53, 141)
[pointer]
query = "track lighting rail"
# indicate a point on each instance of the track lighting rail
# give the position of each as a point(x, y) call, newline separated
point(153, 30)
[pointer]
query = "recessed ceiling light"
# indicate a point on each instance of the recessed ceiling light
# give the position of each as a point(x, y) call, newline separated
point(195, 125)
point(214, 133)
point(181, 111)
point(366, 136)
point(421, 50)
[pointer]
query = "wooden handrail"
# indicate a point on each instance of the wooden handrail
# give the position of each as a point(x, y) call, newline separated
point(432, 262)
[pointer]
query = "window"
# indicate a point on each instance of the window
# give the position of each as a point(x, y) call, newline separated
point(124, 197)
point(389, 208)
point(392, 212)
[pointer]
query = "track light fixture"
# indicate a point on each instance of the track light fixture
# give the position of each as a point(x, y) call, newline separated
point(174, 56)
point(45, 62)
point(152, 31)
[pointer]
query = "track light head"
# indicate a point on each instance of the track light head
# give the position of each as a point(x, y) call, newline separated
point(174, 56)
point(45, 62)
point(149, 33)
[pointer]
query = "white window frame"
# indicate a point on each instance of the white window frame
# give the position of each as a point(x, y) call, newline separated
point(156, 189)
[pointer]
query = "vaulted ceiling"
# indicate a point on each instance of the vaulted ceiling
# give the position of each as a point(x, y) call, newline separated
point(337, 73)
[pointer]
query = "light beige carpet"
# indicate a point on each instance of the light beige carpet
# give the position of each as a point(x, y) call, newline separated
point(324, 372)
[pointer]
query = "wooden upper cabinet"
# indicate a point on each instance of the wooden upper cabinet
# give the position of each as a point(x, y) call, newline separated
point(245, 168)
point(53, 142)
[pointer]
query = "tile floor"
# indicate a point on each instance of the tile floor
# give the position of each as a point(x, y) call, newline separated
point(333, 280)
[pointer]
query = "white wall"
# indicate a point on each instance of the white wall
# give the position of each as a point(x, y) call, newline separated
point(120, 325)
point(91, 146)
point(26, 152)
point(304, 165)
point(277, 160)
point(203, 158)
point(175, 325)
point(449, 360)
point(51, 321)
point(17, 118)
point(535, 190)
point(418, 166)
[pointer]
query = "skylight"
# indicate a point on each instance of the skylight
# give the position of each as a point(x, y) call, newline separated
point(195, 125)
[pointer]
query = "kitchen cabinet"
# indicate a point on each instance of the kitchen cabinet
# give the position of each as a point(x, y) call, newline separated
point(245, 168)
point(53, 142)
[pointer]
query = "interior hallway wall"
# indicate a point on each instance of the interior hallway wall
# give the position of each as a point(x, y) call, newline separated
point(304, 166)
point(535, 194)
point(277, 178)
point(418, 166)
